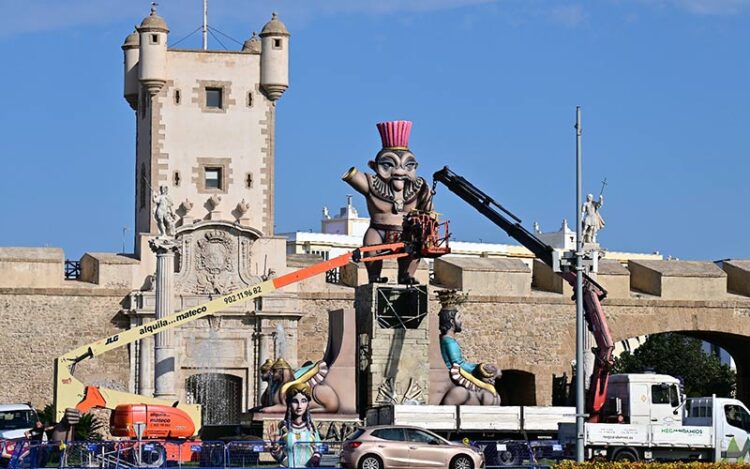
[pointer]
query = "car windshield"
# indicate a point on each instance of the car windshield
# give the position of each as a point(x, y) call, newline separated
point(357, 433)
point(17, 419)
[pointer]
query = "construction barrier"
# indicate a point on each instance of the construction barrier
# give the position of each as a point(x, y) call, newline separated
point(157, 454)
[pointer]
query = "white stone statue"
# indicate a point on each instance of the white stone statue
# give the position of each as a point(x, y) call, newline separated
point(592, 221)
point(163, 213)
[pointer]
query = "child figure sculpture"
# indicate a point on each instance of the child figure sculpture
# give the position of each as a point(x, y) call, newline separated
point(392, 192)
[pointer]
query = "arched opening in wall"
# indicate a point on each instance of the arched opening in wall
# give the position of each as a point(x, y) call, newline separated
point(705, 362)
point(517, 387)
point(220, 397)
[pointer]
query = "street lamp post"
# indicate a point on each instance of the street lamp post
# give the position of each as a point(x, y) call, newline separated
point(580, 326)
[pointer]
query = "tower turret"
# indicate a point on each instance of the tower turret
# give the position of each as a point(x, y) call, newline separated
point(152, 70)
point(252, 45)
point(131, 52)
point(274, 58)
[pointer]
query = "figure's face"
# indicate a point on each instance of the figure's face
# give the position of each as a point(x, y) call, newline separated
point(457, 322)
point(163, 189)
point(277, 374)
point(396, 167)
point(299, 405)
point(38, 424)
point(589, 197)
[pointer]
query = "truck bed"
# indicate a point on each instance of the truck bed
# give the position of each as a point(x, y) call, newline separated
point(536, 419)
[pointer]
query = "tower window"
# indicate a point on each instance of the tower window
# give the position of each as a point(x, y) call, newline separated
point(249, 181)
point(176, 178)
point(154, 38)
point(212, 175)
point(177, 96)
point(250, 99)
point(214, 98)
point(212, 179)
point(277, 43)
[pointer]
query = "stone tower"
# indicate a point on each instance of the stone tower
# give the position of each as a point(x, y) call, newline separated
point(205, 130)
point(205, 126)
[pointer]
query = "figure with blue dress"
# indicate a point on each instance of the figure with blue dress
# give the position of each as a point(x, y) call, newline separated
point(474, 382)
point(298, 442)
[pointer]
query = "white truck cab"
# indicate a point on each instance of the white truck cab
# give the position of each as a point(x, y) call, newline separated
point(730, 420)
point(644, 399)
point(15, 420)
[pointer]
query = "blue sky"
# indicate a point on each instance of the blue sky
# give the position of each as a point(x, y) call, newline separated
point(490, 85)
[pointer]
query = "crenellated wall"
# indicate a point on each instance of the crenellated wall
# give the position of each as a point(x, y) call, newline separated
point(529, 333)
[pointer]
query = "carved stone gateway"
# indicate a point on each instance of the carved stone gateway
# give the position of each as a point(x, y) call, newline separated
point(215, 258)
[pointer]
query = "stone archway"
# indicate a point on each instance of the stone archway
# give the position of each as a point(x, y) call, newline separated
point(517, 387)
point(736, 345)
point(725, 323)
point(220, 397)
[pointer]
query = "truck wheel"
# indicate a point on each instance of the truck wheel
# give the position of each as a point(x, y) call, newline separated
point(625, 455)
point(370, 461)
point(509, 457)
point(462, 462)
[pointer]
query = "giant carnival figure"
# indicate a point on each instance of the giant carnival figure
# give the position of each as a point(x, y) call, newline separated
point(392, 192)
point(474, 383)
point(296, 442)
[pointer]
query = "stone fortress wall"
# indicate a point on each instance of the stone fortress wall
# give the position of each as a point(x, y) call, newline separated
point(517, 317)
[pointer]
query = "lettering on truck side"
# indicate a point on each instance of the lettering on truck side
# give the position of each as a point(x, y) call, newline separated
point(687, 431)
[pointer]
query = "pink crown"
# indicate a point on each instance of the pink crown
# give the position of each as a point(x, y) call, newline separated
point(395, 134)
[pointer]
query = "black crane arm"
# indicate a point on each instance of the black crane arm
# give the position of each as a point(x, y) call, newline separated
point(593, 293)
point(491, 209)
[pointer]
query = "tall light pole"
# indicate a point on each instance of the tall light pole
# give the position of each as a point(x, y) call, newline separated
point(580, 326)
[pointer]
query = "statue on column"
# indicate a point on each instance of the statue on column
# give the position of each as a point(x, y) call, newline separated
point(392, 192)
point(295, 442)
point(474, 382)
point(592, 221)
point(163, 213)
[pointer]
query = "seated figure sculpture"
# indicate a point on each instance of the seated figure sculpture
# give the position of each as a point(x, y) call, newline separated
point(474, 382)
point(266, 398)
point(323, 397)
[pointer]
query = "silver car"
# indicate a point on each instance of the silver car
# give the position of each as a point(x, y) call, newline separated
point(392, 446)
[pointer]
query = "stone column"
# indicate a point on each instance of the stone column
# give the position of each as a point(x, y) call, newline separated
point(263, 355)
point(146, 367)
point(164, 366)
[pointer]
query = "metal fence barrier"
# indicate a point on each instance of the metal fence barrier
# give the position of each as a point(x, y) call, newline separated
point(157, 454)
point(153, 454)
point(519, 453)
